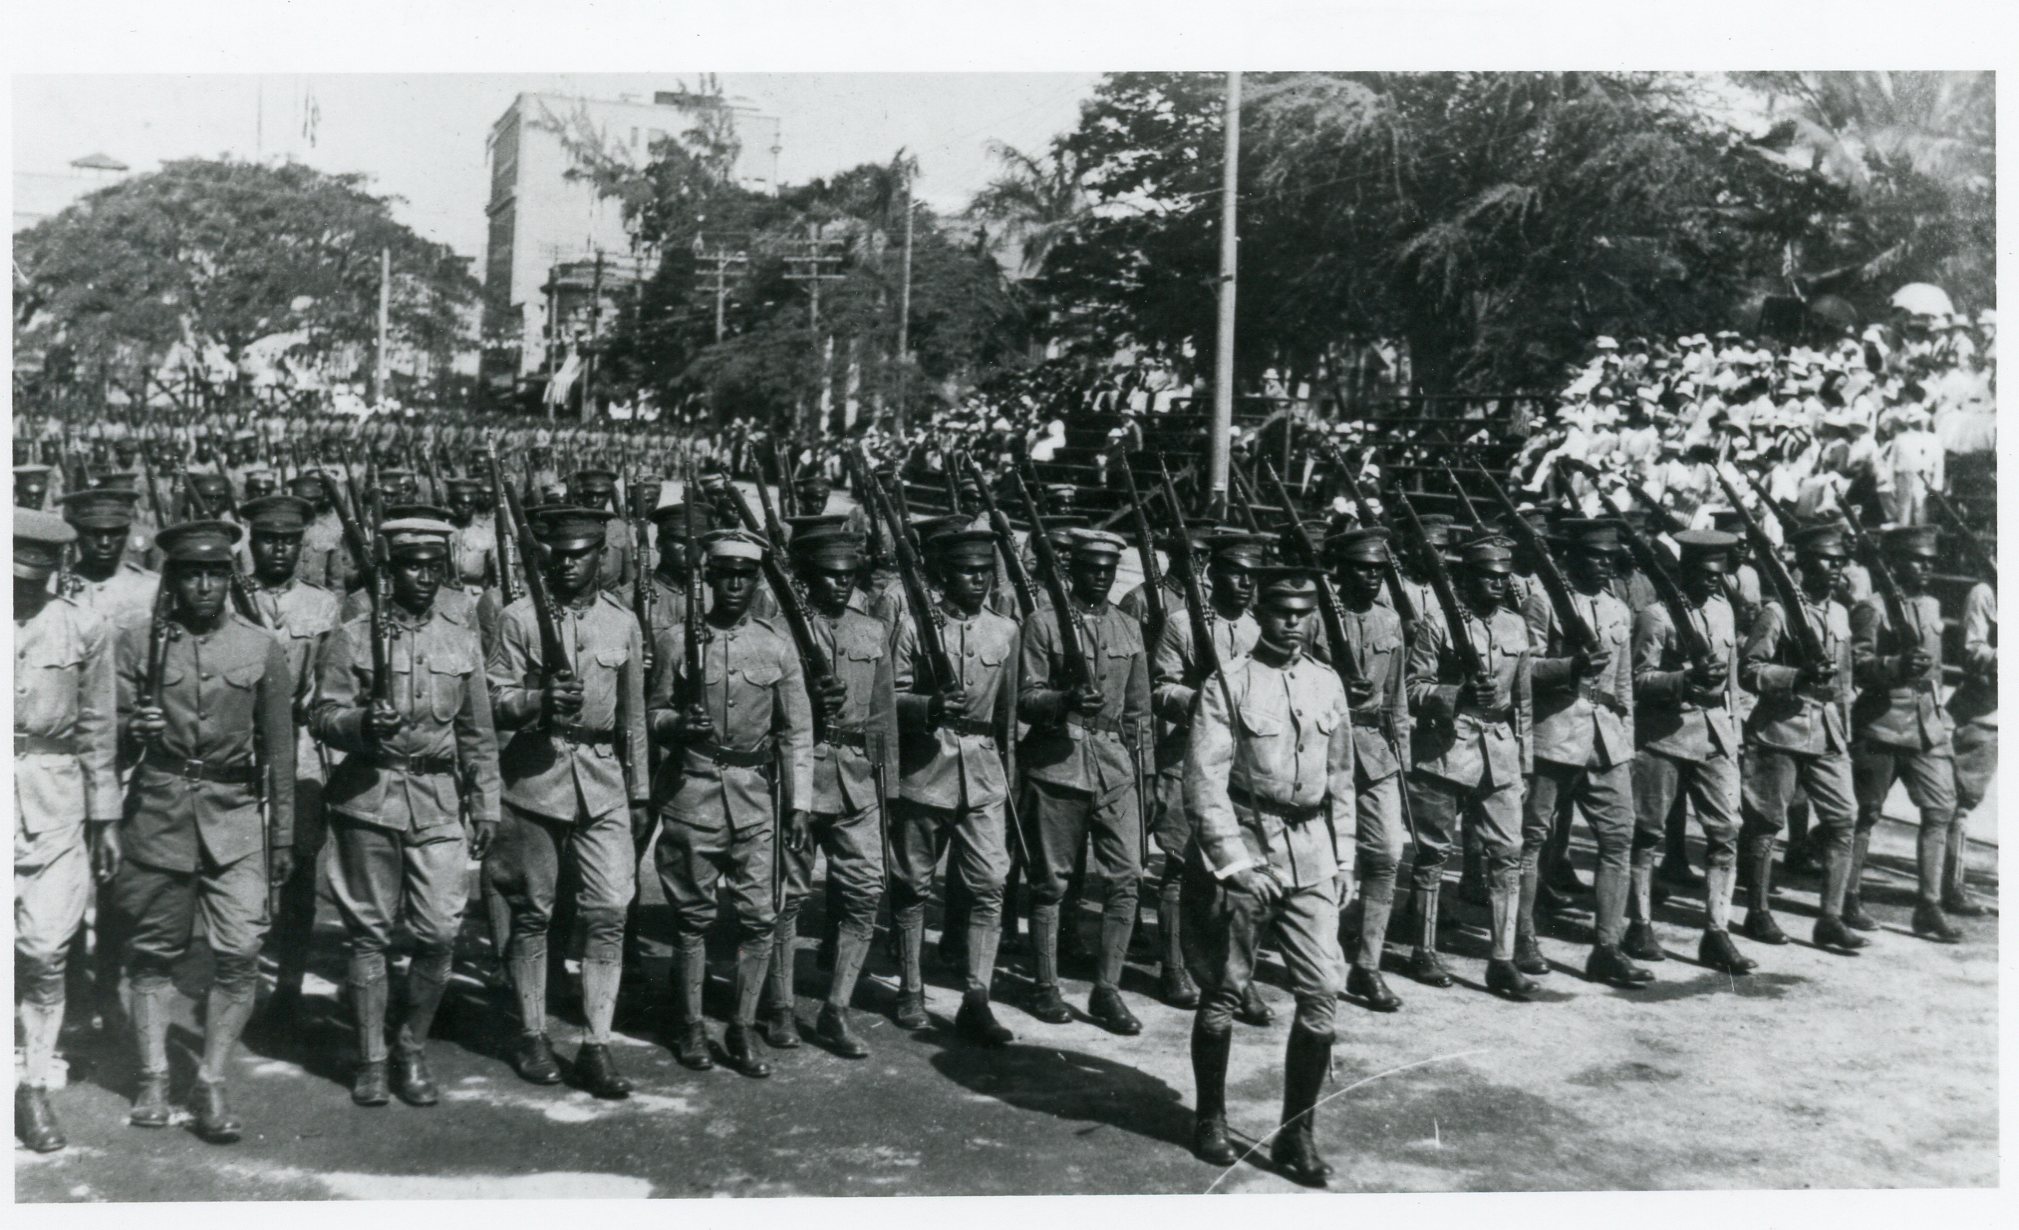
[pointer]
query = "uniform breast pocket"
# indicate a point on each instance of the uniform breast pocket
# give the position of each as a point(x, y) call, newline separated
point(237, 694)
point(446, 679)
point(50, 696)
point(761, 674)
point(1259, 722)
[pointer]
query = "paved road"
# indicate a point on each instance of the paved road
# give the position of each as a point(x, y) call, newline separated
point(1821, 1070)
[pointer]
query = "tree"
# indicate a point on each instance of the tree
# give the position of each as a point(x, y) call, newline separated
point(1036, 200)
point(222, 254)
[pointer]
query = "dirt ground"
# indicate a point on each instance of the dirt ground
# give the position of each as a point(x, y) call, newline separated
point(1818, 1071)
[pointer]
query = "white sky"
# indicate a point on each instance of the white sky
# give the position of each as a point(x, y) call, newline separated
point(421, 137)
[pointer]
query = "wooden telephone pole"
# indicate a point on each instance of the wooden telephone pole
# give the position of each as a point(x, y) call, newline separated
point(810, 268)
point(1223, 350)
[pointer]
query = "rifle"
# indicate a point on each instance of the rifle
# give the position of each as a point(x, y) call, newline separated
point(1655, 563)
point(903, 505)
point(1005, 542)
point(1078, 674)
point(1464, 500)
point(1398, 592)
point(553, 651)
point(160, 631)
point(1447, 594)
point(818, 667)
point(1576, 629)
point(1329, 610)
point(381, 592)
point(1244, 503)
point(501, 528)
point(1196, 610)
point(926, 617)
point(1986, 559)
point(695, 632)
point(1888, 586)
point(1146, 546)
point(951, 483)
point(781, 464)
point(644, 594)
point(860, 482)
point(1808, 643)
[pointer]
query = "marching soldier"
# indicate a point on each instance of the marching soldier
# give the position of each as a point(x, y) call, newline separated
point(324, 560)
point(1583, 747)
point(473, 550)
point(1086, 754)
point(301, 616)
point(1901, 731)
point(1796, 737)
point(1136, 603)
point(1688, 747)
point(598, 489)
point(1973, 707)
point(420, 751)
point(66, 799)
point(574, 768)
point(1471, 749)
point(848, 802)
point(1269, 796)
point(956, 763)
point(31, 486)
point(106, 581)
point(1234, 555)
point(1379, 700)
point(212, 718)
point(726, 735)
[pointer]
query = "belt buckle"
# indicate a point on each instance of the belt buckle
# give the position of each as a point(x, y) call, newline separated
point(192, 769)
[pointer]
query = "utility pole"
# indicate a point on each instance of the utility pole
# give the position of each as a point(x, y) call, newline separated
point(595, 319)
point(716, 280)
point(1223, 350)
point(900, 416)
point(809, 269)
point(385, 323)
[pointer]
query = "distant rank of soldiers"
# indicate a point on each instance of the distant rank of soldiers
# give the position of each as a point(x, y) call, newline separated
point(415, 692)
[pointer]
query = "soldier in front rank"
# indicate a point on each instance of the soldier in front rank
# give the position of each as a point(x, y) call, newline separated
point(1973, 707)
point(1087, 755)
point(104, 579)
point(1900, 729)
point(726, 736)
point(301, 616)
point(1471, 748)
point(1379, 701)
point(1175, 676)
point(1796, 737)
point(66, 798)
point(420, 752)
point(956, 762)
point(574, 771)
point(859, 715)
point(1583, 747)
point(598, 489)
point(1688, 747)
point(215, 752)
point(1269, 796)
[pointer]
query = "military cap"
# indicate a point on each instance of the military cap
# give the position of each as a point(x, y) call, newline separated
point(1726, 519)
point(116, 479)
point(827, 546)
point(309, 485)
point(1708, 549)
point(800, 525)
point(1822, 540)
point(672, 519)
point(32, 471)
point(1596, 534)
point(459, 484)
point(1437, 528)
point(1098, 545)
point(277, 514)
point(398, 476)
point(1198, 536)
point(1238, 546)
point(930, 529)
point(1288, 585)
point(1489, 552)
point(210, 484)
point(198, 542)
point(566, 526)
point(1359, 546)
point(734, 545)
point(261, 482)
point(593, 478)
point(1914, 540)
point(39, 539)
point(1061, 495)
point(965, 546)
point(100, 508)
point(1061, 527)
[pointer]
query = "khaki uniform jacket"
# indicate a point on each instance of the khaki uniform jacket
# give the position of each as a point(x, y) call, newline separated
point(1810, 720)
point(1098, 755)
point(301, 616)
point(127, 596)
point(472, 549)
point(1976, 698)
point(64, 692)
point(1285, 748)
point(946, 768)
point(1380, 654)
point(1664, 720)
point(1171, 596)
point(1582, 721)
point(1454, 740)
point(440, 689)
point(756, 696)
point(859, 648)
point(1887, 711)
point(230, 705)
point(1171, 690)
point(598, 764)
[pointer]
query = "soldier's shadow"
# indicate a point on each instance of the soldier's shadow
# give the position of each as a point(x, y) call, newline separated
point(1068, 1085)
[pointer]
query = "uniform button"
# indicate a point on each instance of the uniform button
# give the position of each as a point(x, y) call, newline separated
point(205, 675)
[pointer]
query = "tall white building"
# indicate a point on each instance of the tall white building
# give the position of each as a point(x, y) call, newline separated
point(540, 218)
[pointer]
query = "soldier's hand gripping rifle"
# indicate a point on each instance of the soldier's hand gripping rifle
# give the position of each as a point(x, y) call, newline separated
point(1071, 642)
point(1447, 594)
point(1576, 629)
point(501, 529)
point(1888, 586)
point(1146, 546)
point(926, 619)
point(1656, 564)
point(553, 651)
point(1005, 542)
point(1398, 592)
point(819, 670)
point(1808, 644)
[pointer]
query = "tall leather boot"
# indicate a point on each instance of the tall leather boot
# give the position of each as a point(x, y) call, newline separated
point(1307, 1060)
point(1855, 916)
point(976, 1019)
point(532, 1054)
point(1716, 949)
point(1503, 976)
point(851, 949)
point(690, 972)
point(368, 993)
point(781, 1029)
point(1640, 941)
point(1176, 983)
point(1377, 905)
point(953, 919)
point(1608, 962)
point(1046, 1004)
point(602, 976)
point(1210, 1052)
point(227, 1010)
point(910, 928)
point(427, 983)
point(1424, 964)
point(1931, 847)
point(1956, 898)
point(1473, 886)
point(753, 961)
point(1757, 866)
point(152, 996)
point(1528, 956)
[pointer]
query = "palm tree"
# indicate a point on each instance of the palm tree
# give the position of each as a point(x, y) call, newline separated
point(1036, 200)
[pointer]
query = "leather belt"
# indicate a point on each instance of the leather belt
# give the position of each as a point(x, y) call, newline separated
point(843, 737)
point(42, 745)
point(587, 738)
point(197, 770)
point(968, 726)
point(1503, 714)
point(1105, 725)
point(757, 757)
point(1589, 690)
point(1367, 721)
point(1291, 816)
point(419, 766)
